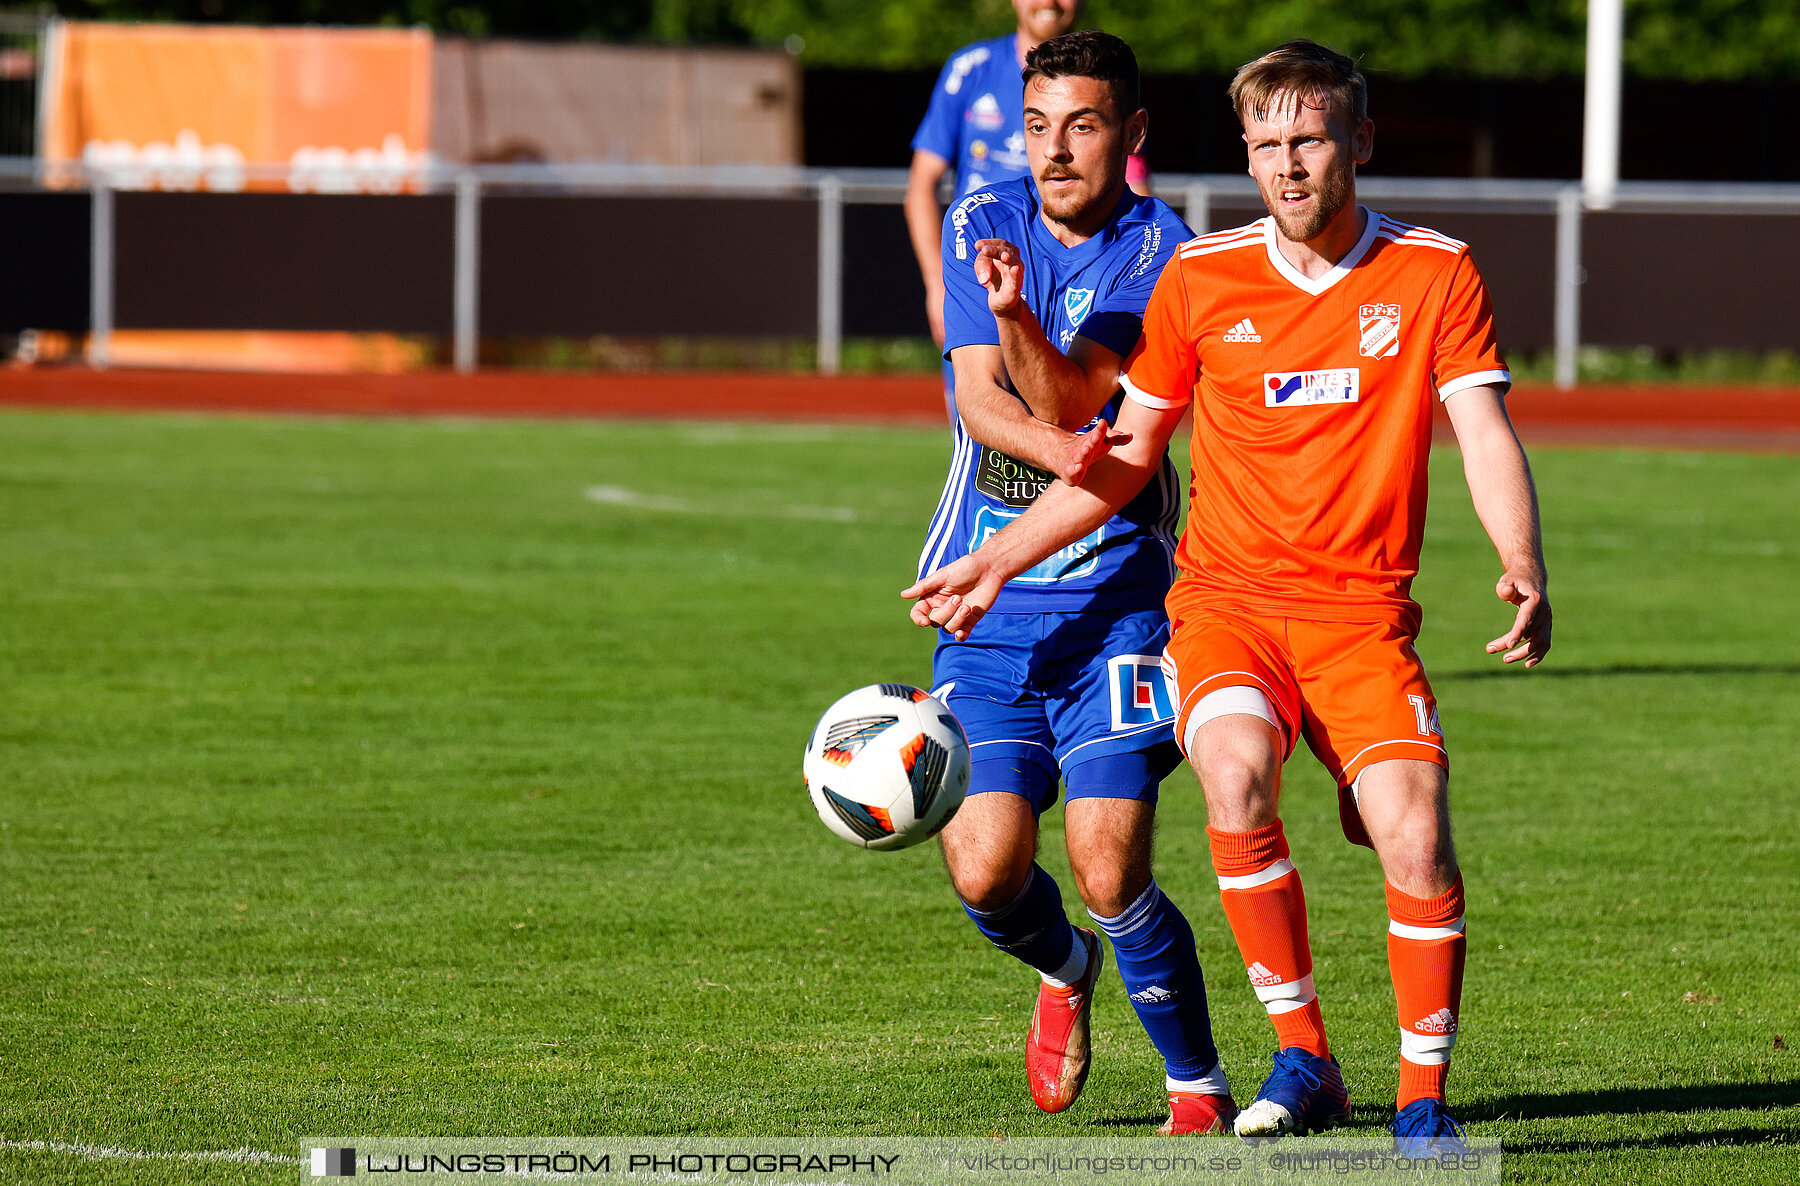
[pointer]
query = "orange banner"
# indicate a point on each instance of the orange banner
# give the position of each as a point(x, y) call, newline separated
point(189, 106)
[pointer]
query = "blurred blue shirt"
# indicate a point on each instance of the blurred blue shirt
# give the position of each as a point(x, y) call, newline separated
point(976, 119)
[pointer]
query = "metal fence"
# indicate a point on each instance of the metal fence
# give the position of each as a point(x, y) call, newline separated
point(1668, 265)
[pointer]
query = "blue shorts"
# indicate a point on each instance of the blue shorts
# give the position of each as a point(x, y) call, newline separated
point(1080, 694)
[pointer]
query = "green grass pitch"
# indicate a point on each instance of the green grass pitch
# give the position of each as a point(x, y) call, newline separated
point(442, 778)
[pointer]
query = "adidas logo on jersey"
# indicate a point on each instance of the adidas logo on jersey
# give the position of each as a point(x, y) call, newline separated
point(1156, 994)
point(1441, 1022)
point(1243, 331)
point(1260, 976)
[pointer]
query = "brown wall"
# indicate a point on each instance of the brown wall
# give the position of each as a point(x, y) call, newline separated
point(589, 265)
point(1692, 282)
point(283, 262)
point(530, 101)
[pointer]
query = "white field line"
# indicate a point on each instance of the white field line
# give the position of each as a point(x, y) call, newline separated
point(112, 1153)
point(618, 496)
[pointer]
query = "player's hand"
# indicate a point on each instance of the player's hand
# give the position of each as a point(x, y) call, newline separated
point(955, 596)
point(999, 269)
point(1529, 638)
point(1079, 453)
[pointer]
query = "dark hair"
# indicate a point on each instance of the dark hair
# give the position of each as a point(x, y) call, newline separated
point(1089, 54)
point(1306, 70)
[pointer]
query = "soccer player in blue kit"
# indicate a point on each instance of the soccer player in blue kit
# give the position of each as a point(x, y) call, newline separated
point(1045, 281)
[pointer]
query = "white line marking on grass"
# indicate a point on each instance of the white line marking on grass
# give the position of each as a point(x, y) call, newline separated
point(618, 496)
point(244, 1156)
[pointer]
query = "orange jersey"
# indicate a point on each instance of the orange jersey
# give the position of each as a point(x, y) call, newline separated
point(1312, 411)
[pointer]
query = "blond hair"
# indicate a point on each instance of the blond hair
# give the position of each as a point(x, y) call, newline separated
point(1306, 70)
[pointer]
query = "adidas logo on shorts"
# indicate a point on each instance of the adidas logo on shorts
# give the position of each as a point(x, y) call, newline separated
point(1243, 331)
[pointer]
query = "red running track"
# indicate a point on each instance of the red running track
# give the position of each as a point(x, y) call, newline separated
point(1746, 418)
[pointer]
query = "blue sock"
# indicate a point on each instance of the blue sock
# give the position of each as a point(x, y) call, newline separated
point(1154, 947)
point(1032, 926)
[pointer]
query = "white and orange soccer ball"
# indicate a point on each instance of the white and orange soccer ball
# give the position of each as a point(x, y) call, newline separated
point(887, 766)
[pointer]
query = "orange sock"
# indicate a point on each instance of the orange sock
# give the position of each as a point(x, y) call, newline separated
point(1426, 948)
point(1267, 911)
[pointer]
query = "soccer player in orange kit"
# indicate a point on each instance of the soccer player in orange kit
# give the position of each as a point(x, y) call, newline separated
point(1310, 346)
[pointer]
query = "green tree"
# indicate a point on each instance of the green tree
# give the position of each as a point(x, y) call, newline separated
point(1692, 40)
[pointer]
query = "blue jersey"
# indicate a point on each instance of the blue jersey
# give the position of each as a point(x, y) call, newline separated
point(1097, 289)
point(976, 120)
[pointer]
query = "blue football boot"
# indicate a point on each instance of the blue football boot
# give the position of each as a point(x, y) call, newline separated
point(1304, 1093)
point(1423, 1129)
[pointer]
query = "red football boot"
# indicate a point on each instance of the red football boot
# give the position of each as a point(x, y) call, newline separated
point(1193, 1114)
point(1057, 1051)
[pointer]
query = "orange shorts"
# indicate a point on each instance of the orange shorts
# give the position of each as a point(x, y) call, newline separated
point(1356, 691)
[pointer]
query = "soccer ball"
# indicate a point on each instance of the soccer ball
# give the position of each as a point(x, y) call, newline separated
point(887, 766)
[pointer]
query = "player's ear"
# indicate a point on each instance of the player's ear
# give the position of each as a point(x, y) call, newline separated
point(1137, 130)
point(1362, 142)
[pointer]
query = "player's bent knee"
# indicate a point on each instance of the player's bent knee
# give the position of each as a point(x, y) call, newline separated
point(989, 887)
point(1110, 890)
point(1405, 808)
point(1109, 875)
point(988, 849)
point(1235, 767)
point(1234, 741)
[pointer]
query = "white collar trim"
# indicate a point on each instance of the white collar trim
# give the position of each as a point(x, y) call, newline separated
point(1341, 269)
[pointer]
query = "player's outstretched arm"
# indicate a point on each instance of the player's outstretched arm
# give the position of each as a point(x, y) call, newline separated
point(956, 596)
point(1506, 500)
point(1067, 390)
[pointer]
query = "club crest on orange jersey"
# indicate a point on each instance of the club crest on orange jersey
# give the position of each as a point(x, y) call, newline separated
point(1378, 330)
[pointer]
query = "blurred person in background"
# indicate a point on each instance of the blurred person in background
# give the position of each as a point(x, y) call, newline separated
point(975, 126)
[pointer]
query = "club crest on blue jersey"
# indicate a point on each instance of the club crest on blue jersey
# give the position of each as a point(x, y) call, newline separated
point(1076, 303)
point(1140, 691)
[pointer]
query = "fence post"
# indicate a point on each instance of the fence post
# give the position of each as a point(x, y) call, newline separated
point(100, 274)
point(466, 287)
point(1197, 212)
point(831, 275)
point(1568, 285)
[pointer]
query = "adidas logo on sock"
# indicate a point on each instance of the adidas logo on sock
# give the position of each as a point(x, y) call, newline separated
point(1156, 994)
point(1243, 331)
point(1260, 976)
point(1441, 1022)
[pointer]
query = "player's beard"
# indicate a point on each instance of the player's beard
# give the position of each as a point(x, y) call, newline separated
point(1072, 206)
point(1330, 196)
